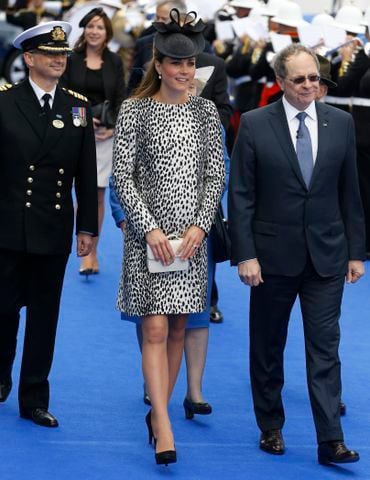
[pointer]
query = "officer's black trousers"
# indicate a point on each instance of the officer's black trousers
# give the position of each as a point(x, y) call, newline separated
point(33, 281)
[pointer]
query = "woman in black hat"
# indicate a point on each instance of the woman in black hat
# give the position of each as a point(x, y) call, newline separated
point(168, 172)
point(97, 72)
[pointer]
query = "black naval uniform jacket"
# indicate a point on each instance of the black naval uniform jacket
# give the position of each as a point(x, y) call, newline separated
point(39, 163)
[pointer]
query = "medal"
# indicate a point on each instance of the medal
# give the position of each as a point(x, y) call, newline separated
point(58, 123)
point(83, 117)
point(79, 116)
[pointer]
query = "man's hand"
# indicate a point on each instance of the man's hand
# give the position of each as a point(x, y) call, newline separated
point(250, 272)
point(84, 244)
point(356, 270)
point(160, 246)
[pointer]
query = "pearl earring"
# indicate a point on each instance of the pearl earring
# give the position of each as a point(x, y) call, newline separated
point(159, 76)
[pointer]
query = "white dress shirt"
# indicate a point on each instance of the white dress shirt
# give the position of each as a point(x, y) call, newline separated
point(310, 121)
point(40, 93)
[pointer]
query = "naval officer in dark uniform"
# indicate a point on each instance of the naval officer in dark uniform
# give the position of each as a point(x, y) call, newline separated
point(46, 145)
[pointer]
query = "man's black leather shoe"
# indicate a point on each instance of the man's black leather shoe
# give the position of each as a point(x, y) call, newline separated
point(272, 441)
point(336, 452)
point(40, 416)
point(5, 388)
point(342, 408)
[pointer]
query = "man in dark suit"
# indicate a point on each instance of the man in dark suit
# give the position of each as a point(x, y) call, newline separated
point(296, 227)
point(46, 144)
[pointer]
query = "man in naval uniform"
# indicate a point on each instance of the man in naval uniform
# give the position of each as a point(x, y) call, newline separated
point(46, 145)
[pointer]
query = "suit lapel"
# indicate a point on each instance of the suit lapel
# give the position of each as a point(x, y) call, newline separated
point(280, 127)
point(53, 134)
point(30, 107)
point(323, 137)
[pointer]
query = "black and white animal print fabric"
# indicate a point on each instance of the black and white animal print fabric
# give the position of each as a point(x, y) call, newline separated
point(168, 172)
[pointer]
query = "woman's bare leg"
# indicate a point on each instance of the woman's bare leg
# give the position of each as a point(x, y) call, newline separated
point(155, 369)
point(196, 344)
point(175, 348)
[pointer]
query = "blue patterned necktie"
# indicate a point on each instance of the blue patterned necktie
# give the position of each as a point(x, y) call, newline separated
point(304, 149)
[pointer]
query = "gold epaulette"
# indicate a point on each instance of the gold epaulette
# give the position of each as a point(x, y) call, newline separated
point(6, 87)
point(75, 94)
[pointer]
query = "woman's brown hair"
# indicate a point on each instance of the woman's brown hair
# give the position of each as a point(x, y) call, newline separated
point(151, 82)
point(80, 45)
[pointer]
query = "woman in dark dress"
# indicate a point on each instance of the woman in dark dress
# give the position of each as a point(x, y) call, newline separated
point(96, 72)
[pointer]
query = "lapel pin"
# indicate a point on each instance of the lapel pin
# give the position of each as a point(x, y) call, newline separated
point(324, 124)
point(58, 124)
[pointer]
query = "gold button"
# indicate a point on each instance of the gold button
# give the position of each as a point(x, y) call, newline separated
point(29, 192)
point(61, 171)
point(28, 204)
point(58, 195)
point(32, 168)
point(29, 179)
point(57, 206)
point(59, 183)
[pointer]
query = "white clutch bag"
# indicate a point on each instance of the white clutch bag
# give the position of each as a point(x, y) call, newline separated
point(156, 266)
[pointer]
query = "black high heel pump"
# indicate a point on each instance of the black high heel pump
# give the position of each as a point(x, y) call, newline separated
point(166, 457)
point(192, 408)
point(148, 421)
point(161, 458)
point(85, 272)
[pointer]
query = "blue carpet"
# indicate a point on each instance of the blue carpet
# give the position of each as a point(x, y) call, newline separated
point(97, 395)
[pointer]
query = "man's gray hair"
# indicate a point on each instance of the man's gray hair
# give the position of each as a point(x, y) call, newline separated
point(179, 4)
point(279, 63)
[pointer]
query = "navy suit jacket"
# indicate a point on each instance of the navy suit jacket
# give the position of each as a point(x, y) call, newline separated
point(274, 217)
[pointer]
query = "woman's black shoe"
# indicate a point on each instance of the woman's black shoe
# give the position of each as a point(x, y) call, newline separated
point(146, 397)
point(166, 457)
point(215, 315)
point(192, 408)
point(148, 421)
point(86, 272)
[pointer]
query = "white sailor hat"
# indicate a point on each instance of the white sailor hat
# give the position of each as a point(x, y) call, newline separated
point(50, 37)
point(244, 3)
point(289, 14)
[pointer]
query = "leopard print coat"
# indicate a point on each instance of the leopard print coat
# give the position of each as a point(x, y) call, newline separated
point(168, 173)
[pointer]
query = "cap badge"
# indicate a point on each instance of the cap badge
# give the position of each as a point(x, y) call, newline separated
point(58, 34)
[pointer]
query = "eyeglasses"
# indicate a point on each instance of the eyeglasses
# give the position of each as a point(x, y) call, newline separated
point(301, 79)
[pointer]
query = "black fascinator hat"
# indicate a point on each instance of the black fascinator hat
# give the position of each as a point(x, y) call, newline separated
point(95, 12)
point(181, 37)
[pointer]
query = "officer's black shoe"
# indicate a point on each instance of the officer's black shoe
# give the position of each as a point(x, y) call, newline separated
point(272, 442)
point(336, 452)
point(5, 388)
point(342, 408)
point(40, 416)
